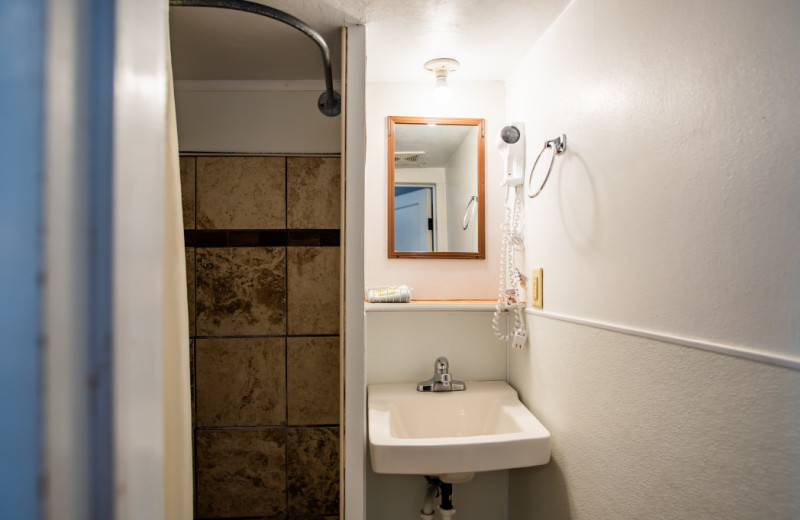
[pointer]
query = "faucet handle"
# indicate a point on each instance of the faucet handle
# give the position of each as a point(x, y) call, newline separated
point(441, 365)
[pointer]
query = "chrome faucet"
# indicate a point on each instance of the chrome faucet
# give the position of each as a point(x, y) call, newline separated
point(441, 380)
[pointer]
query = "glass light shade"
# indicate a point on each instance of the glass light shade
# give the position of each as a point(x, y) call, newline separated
point(441, 93)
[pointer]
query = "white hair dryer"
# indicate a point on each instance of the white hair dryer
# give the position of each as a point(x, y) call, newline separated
point(511, 143)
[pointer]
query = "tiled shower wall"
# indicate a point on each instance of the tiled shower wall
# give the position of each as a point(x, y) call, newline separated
point(262, 256)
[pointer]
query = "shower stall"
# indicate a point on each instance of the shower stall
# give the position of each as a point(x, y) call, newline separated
point(262, 213)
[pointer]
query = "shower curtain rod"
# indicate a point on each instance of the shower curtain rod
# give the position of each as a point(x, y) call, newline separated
point(329, 102)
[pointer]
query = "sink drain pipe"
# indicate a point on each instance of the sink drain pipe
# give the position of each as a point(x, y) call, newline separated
point(437, 488)
point(446, 509)
point(430, 495)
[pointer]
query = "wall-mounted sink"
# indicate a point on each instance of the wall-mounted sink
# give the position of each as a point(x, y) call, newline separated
point(483, 428)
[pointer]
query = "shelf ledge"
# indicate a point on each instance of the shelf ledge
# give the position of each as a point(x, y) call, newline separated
point(433, 305)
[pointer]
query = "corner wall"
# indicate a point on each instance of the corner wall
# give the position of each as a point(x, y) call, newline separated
point(672, 215)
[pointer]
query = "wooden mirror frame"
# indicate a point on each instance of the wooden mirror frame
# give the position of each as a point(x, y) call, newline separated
point(480, 254)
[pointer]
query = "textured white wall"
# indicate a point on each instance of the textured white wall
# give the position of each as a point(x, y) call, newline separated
point(675, 208)
point(645, 429)
point(674, 211)
point(431, 279)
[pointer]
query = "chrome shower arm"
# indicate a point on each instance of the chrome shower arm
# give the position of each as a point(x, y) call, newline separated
point(329, 102)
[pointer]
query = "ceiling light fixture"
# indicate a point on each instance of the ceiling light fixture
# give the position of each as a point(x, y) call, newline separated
point(442, 67)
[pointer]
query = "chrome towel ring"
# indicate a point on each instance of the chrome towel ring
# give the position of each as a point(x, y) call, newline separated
point(473, 203)
point(559, 146)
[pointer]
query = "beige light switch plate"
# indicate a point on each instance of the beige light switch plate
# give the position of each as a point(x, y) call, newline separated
point(536, 288)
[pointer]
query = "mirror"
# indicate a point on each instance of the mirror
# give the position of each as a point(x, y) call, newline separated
point(436, 187)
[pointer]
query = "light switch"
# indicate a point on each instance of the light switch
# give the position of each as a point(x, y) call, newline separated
point(536, 288)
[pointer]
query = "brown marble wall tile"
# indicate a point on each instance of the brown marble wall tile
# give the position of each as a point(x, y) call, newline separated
point(313, 290)
point(241, 473)
point(187, 168)
point(190, 287)
point(313, 471)
point(241, 382)
point(241, 291)
point(313, 195)
point(241, 192)
point(315, 361)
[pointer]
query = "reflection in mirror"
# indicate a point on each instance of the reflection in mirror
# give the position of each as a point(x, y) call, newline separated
point(436, 182)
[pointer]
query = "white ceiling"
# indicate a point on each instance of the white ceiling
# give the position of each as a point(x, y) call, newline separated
point(488, 37)
point(437, 143)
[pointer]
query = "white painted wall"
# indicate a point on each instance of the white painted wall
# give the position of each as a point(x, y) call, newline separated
point(461, 169)
point(401, 347)
point(674, 212)
point(254, 117)
point(431, 279)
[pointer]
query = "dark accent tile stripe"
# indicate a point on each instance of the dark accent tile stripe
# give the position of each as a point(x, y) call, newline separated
point(314, 237)
point(243, 238)
point(212, 238)
point(262, 237)
point(273, 238)
point(261, 336)
point(330, 238)
point(189, 153)
point(189, 237)
point(275, 427)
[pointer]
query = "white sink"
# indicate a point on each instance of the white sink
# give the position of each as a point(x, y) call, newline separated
point(482, 428)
